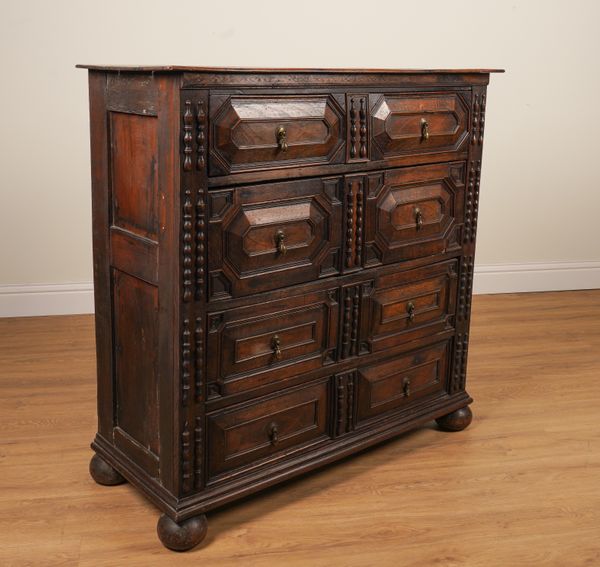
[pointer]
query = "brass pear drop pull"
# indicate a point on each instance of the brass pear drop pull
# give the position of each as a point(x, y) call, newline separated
point(273, 432)
point(406, 387)
point(276, 346)
point(282, 139)
point(410, 309)
point(280, 242)
point(424, 129)
point(418, 218)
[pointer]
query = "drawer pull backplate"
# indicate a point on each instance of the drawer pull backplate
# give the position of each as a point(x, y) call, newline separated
point(273, 431)
point(282, 139)
point(276, 345)
point(424, 130)
point(280, 242)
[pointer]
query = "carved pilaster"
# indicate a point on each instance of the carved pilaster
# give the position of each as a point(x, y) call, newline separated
point(352, 129)
point(346, 324)
point(354, 214)
point(186, 458)
point(200, 136)
point(186, 362)
point(198, 453)
point(355, 312)
point(472, 201)
point(350, 405)
point(199, 360)
point(188, 120)
point(192, 381)
point(187, 246)
point(481, 119)
point(341, 404)
point(344, 402)
point(200, 243)
point(358, 127)
point(478, 118)
point(476, 200)
point(350, 321)
point(465, 288)
point(359, 222)
point(459, 369)
point(350, 224)
point(363, 129)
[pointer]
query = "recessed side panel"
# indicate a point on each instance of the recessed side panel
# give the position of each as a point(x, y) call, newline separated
point(135, 311)
point(133, 142)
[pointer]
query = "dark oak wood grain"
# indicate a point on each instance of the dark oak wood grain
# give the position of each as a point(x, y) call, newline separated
point(285, 71)
point(283, 270)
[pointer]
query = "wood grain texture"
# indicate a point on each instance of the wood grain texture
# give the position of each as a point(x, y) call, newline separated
point(159, 68)
point(338, 245)
point(518, 487)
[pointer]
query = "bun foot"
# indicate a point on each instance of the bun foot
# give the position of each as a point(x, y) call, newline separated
point(103, 473)
point(457, 420)
point(184, 535)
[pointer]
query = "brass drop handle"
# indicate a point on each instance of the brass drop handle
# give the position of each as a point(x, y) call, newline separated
point(273, 431)
point(410, 309)
point(282, 139)
point(406, 387)
point(276, 346)
point(280, 242)
point(418, 218)
point(424, 129)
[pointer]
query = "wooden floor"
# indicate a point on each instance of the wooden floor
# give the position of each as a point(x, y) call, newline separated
point(521, 486)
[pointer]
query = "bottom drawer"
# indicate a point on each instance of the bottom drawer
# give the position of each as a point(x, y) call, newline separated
point(251, 432)
point(396, 383)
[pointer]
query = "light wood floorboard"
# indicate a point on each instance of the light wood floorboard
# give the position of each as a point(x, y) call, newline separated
point(521, 486)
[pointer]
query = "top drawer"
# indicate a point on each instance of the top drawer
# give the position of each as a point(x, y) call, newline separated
point(254, 132)
point(417, 123)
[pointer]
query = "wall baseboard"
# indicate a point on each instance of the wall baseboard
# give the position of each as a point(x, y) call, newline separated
point(30, 300)
point(550, 276)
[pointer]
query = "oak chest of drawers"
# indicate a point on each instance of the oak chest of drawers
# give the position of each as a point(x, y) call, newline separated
point(283, 264)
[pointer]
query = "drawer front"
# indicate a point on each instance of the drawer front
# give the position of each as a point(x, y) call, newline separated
point(256, 345)
point(268, 427)
point(418, 123)
point(250, 133)
point(407, 305)
point(392, 385)
point(414, 212)
point(264, 237)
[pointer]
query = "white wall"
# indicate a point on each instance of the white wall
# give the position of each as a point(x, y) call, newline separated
point(540, 186)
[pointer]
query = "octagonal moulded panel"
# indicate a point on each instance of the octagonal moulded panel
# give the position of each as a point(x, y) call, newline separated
point(418, 123)
point(415, 212)
point(250, 133)
point(274, 235)
point(252, 238)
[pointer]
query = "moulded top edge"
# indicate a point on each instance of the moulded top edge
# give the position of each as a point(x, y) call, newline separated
point(185, 68)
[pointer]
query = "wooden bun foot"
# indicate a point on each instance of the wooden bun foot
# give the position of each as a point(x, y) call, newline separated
point(103, 473)
point(181, 536)
point(457, 420)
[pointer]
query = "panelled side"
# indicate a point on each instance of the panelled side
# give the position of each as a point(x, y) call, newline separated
point(129, 225)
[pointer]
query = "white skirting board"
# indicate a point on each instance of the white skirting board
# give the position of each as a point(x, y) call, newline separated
point(551, 276)
point(29, 300)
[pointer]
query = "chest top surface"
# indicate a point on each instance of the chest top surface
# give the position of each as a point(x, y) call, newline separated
point(194, 68)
